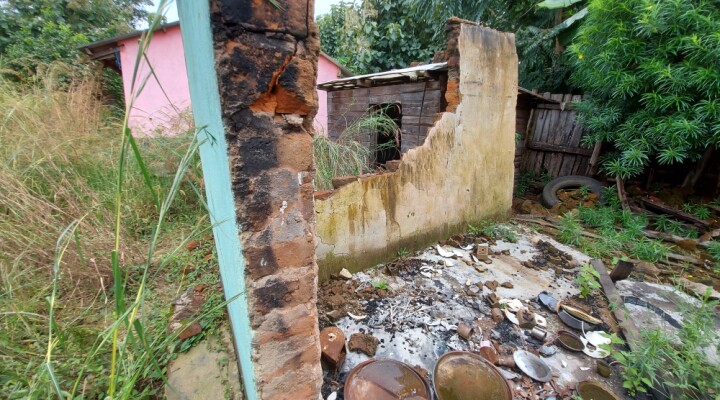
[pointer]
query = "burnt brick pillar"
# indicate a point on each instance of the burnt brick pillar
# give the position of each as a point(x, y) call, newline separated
point(452, 56)
point(266, 62)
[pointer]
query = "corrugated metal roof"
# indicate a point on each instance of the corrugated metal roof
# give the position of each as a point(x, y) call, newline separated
point(379, 78)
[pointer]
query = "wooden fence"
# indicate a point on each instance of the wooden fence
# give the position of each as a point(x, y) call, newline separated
point(552, 143)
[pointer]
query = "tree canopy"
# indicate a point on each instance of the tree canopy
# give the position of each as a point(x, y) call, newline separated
point(376, 35)
point(652, 72)
point(37, 31)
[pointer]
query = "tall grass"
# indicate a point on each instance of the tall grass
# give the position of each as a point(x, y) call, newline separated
point(82, 207)
point(353, 153)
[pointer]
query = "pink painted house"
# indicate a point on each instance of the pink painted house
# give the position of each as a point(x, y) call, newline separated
point(163, 106)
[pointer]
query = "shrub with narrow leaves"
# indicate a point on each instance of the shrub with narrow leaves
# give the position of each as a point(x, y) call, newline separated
point(651, 70)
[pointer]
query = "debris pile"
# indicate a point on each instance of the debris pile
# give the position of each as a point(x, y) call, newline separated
point(505, 303)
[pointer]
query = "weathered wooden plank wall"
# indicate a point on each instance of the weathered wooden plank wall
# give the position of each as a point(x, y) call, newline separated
point(419, 101)
point(553, 142)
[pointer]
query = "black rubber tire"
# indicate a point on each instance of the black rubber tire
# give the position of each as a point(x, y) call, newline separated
point(549, 196)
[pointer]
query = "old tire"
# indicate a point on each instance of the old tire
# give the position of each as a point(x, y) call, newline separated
point(549, 196)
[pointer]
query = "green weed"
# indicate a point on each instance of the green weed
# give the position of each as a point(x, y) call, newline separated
point(493, 230)
point(570, 231)
point(662, 363)
point(649, 250)
point(380, 285)
point(588, 280)
point(403, 253)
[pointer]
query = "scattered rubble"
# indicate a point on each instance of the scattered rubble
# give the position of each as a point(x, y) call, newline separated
point(439, 301)
point(363, 343)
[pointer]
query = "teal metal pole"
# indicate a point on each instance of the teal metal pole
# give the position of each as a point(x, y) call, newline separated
point(205, 97)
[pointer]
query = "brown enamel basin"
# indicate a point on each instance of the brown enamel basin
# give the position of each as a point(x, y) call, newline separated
point(460, 375)
point(383, 379)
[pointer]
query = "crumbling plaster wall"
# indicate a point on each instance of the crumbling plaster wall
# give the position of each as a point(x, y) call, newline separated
point(461, 174)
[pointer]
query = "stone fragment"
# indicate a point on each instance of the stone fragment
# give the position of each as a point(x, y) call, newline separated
point(507, 285)
point(363, 343)
point(547, 351)
point(492, 285)
point(345, 274)
point(185, 308)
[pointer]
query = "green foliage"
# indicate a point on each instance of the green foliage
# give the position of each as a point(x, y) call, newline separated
point(493, 230)
point(598, 217)
point(681, 365)
point(651, 71)
point(403, 253)
point(648, 249)
point(377, 35)
point(588, 280)
point(347, 156)
point(380, 285)
point(524, 181)
point(698, 210)
point(570, 231)
point(713, 248)
point(35, 32)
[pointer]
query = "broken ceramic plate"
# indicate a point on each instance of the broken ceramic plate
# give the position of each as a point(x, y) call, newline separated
point(443, 252)
point(356, 317)
point(580, 314)
point(548, 301)
point(532, 366)
point(456, 252)
point(513, 305)
point(540, 321)
point(511, 316)
point(593, 341)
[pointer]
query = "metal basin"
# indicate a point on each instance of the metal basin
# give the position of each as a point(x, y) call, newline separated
point(573, 322)
point(569, 341)
point(460, 375)
point(532, 365)
point(383, 379)
point(589, 390)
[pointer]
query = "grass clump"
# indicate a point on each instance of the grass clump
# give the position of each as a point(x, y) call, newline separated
point(493, 230)
point(350, 155)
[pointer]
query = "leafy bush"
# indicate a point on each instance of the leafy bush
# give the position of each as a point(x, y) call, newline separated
point(651, 71)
